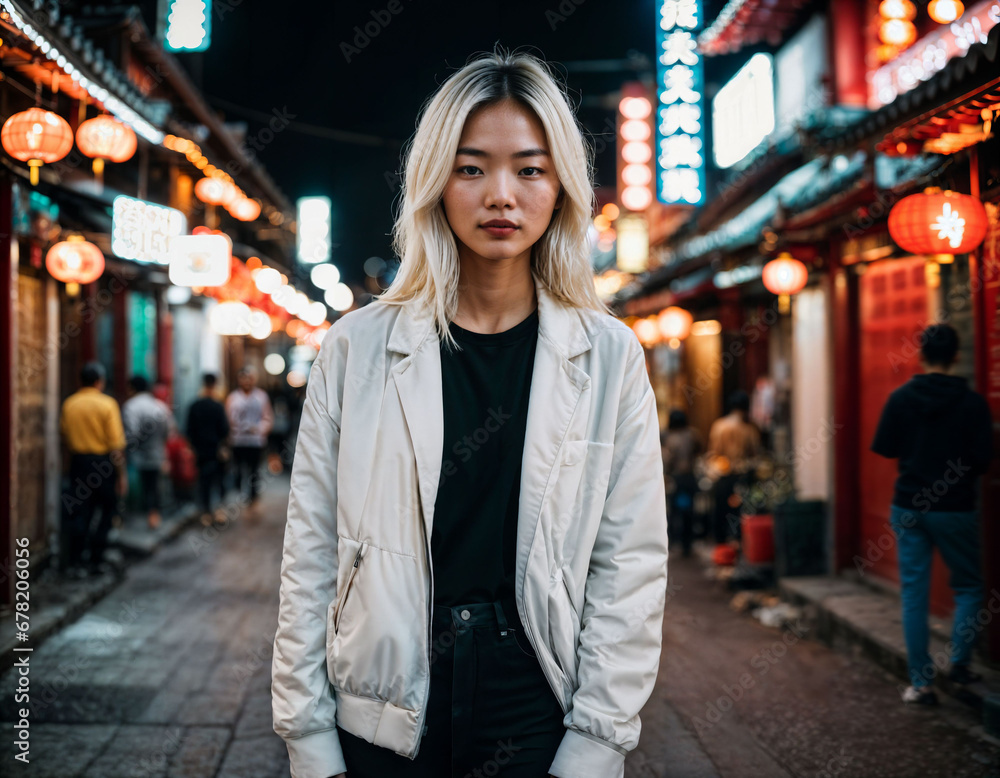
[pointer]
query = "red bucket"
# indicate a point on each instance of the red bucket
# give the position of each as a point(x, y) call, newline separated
point(758, 539)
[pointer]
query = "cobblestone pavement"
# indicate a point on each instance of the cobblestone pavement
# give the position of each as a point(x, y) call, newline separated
point(169, 675)
point(760, 702)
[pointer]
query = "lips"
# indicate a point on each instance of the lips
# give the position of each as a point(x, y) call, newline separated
point(499, 223)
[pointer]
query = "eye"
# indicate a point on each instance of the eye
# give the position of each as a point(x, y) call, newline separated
point(537, 169)
point(465, 168)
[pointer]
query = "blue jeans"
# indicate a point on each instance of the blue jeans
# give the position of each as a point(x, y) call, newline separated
point(956, 535)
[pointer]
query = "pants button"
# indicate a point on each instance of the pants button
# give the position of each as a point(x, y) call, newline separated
point(465, 614)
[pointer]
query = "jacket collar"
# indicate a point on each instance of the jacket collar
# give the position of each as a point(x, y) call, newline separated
point(558, 323)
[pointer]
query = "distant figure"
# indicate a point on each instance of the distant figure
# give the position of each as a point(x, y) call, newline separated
point(733, 445)
point(207, 430)
point(681, 447)
point(250, 421)
point(941, 431)
point(148, 421)
point(91, 424)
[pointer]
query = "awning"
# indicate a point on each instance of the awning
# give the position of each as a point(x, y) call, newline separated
point(748, 22)
point(948, 102)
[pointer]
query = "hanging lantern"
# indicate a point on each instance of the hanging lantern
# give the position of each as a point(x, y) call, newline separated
point(784, 277)
point(75, 261)
point(897, 32)
point(897, 9)
point(646, 331)
point(945, 11)
point(105, 138)
point(674, 323)
point(245, 209)
point(36, 136)
point(216, 191)
point(230, 318)
point(938, 223)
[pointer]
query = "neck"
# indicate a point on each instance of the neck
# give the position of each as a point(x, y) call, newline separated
point(494, 295)
point(937, 369)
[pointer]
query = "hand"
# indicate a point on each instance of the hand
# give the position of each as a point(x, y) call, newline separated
point(122, 485)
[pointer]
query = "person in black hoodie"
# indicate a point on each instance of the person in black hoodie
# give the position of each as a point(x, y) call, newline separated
point(207, 429)
point(941, 431)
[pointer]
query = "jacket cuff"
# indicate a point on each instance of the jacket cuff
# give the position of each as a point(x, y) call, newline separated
point(316, 755)
point(587, 756)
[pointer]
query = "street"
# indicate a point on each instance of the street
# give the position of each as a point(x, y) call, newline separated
point(169, 675)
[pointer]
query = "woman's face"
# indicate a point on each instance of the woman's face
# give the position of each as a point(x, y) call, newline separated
point(502, 173)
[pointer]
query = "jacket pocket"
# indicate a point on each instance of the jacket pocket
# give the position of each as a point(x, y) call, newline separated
point(342, 598)
point(564, 630)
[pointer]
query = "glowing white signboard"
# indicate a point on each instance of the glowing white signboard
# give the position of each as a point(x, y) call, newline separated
point(142, 231)
point(743, 111)
point(313, 229)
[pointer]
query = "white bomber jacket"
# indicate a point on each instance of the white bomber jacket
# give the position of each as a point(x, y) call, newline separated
point(353, 642)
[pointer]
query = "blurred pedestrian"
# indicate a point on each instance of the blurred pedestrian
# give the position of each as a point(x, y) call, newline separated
point(681, 447)
point(91, 424)
point(733, 446)
point(941, 432)
point(250, 420)
point(207, 430)
point(543, 627)
point(148, 422)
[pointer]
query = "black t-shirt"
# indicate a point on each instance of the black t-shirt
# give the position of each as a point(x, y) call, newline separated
point(485, 390)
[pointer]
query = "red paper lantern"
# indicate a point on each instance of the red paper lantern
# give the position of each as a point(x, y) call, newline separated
point(674, 323)
point(36, 136)
point(785, 275)
point(938, 223)
point(245, 209)
point(107, 138)
point(216, 191)
point(897, 32)
point(75, 261)
point(945, 11)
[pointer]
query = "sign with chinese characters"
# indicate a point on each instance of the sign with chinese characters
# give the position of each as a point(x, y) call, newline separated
point(199, 260)
point(313, 229)
point(680, 157)
point(142, 231)
point(743, 111)
point(185, 25)
point(932, 52)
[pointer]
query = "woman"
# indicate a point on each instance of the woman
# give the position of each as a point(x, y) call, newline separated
point(474, 564)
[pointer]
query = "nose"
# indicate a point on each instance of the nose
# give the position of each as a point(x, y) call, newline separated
point(500, 191)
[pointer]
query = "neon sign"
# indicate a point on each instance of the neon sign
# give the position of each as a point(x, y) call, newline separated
point(680, 156)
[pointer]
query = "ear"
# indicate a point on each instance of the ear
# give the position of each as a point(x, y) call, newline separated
point(559, 199)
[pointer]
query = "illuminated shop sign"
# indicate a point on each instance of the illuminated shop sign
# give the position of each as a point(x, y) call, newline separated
point(931, 53)
point(743, 111)
point(142, 231)
point(680, 156)
point(314, 229)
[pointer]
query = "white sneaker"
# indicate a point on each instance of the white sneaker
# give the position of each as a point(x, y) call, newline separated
point(919, 696)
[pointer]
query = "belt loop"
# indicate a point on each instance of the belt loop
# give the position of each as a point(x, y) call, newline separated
point(501, 619)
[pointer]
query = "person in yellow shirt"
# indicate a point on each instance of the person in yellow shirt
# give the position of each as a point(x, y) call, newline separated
point(91, 424)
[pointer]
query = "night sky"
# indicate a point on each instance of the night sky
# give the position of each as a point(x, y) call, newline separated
point(288, 58)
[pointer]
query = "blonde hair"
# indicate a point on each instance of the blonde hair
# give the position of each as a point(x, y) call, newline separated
point(422, 238)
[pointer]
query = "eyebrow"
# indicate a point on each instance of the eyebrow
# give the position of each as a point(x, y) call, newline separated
point(471, 152)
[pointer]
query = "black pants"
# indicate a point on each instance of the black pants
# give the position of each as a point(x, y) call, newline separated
point(209, 480)
point(490, 708)
point(682, 510)
point(246, 461)
point(149, 478)
point(91, 487)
